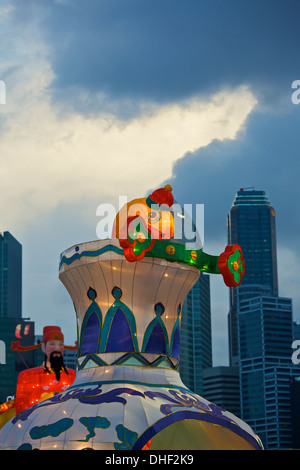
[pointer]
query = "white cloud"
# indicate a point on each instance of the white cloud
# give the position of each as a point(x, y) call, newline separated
point(48, 157)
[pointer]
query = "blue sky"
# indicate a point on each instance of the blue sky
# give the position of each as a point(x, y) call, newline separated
point(117, 97)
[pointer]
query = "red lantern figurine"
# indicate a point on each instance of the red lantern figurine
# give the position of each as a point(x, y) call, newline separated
point(39, 383)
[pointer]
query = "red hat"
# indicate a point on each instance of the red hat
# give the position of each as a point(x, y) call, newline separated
point(52, 333)
point(161, 196)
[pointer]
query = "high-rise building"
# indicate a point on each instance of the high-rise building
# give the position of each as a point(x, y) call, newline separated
point(221, 385)
point(265, 331)
point(12, 326)
point(251, 224)
point(195, 335)
point(8, 378)
point(10, 276)
point(13, 362)
point(261, 323)
point(296, 331)
point(295, 404)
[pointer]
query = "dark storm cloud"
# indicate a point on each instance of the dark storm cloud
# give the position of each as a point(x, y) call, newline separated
point(266, 156)
point(171, 49)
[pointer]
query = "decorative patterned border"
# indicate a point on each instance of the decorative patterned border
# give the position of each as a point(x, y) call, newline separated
point(151, 385)
point(110, 335)
point(90, 254)
point(125, 360)
point(165, 249)
point(103, 336)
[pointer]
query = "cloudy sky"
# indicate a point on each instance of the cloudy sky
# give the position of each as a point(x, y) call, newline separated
point(118, 97)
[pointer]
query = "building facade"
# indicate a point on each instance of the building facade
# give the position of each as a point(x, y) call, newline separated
point(251, 224)
point(195, 335)
point(12, 326)
point(13, 362)
point(221, 385)
point(10, 276)
point(265, 331)
point(260, 323)
point(295, 402)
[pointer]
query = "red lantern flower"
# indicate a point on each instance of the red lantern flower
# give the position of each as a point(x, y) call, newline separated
point(231, 265)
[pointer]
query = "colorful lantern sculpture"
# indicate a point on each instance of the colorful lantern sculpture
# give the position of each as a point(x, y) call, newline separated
point(128, 394)
point(37, 384)
point(7, 411)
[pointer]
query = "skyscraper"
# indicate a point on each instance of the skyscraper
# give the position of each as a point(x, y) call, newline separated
point(11, 324)
point(295, 405)
point(10, 276)
point(260, 322)
point(221, 385)
point(251, 224)
point(195, 335)
point(13, 362)
point(265, 327)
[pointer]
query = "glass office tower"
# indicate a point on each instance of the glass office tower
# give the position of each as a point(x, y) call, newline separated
point(10, 276)
point(265, 327)
point(195, 335)
point(260, 323)
point(251, 224)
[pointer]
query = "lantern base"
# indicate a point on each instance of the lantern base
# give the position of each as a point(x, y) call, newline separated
point(127, 408)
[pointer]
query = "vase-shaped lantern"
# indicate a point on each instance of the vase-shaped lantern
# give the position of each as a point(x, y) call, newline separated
point(128, 394)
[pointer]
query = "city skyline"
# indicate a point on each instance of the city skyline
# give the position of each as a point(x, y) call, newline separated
point(104, 100)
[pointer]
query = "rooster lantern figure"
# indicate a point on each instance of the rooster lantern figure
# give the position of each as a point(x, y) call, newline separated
point(143, 226)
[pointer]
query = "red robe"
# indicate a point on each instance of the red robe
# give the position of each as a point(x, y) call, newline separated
point(37, 384)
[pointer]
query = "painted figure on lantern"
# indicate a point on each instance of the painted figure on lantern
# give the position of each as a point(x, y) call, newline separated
point(128, 395)
point(37, 384)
